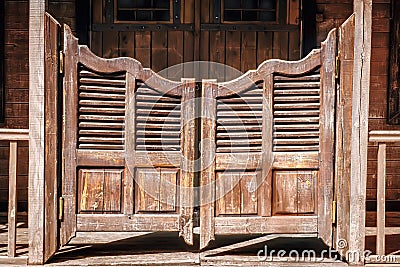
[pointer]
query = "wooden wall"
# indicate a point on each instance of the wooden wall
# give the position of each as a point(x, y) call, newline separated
point(378, 114)
point(16, 91)
point(242, 50)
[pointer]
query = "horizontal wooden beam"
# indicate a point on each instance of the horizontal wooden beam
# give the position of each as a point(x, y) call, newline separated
point(371, 231)
point(384, 136)
point(14, 134)
point(266, 225)
point(127, 223)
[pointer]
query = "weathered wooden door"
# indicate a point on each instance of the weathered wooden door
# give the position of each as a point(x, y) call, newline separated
point(125, 167)
point(268, 149)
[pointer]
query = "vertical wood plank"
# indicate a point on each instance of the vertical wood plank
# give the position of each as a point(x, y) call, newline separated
point(36, 132)
point(228, 196)
point(265, 188)
point(112, 190)
point(343, 130)
point(126, 44)
point(148, 189)
point(159, 60)
point(69, 137)
point(204, 46)
point(207, 179)
point(130, 145)
point(264, 46)
point(143, 48)
point(248, 51)
point(232, 53)
point(92, 190)
point(248, 191)
point(381, 200)
point(175, 53)
point(217, 51)
point(12, 200)
point(188, 144)
point(110, 44)
point(285, 192)
point(52, 32)
point(306, 191)
point(96, 42)
point(327, 137)
point(168, 189)
point(188, 52)
point(281, 43)
point(359, 140)
point(294, 45)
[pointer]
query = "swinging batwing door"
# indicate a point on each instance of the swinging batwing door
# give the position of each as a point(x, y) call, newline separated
point(128, 138)
point(267, 149)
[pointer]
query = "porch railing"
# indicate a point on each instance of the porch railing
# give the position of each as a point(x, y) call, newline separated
point(382, 138)
point(13, 135)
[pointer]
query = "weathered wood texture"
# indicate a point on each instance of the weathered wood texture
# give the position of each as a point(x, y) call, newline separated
point(157, 49)
point(36, 131)
point(343, 129)
point(237, 124)
point(16, 96)
point(359, 137)
point(129, 146)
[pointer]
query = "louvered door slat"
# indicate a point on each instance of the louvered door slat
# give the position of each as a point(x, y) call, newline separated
point(296, 109)
point(101, 111)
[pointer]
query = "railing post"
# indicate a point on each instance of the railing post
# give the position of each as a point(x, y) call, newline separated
point(12, 199)
point(380, 198)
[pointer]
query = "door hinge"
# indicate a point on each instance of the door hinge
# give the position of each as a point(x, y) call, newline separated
point(337, 68)
point(334, 207)
point(61, 67)
point(61, 208)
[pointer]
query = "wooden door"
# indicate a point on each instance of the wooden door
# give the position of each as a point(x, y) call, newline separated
point(267, 149)
point(125, 167)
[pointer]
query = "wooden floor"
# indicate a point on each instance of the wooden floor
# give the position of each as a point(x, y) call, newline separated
point(161, 249)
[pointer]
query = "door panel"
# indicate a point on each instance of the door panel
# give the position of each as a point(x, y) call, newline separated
point(128, 145)
point(266, 132)
point(294, 192)
point(99, 190)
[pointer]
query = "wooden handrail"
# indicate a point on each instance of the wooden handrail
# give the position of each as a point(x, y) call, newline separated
point(13, 135)
point(381, 138)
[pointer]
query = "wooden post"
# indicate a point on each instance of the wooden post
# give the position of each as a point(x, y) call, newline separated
point(36, 132)
point(380, 198)
point(12, 199)
point(359, 137)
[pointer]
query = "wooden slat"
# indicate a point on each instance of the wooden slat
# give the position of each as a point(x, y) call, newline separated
point(12, 200)
point(125, 223)
point(112, 190)
point(343, 130)
point(52, 136)
point(148, 189)
point(359, 127)
point(275, 224)
point(381, 200)
point(327, 138)
point(207, 197)
point(103, 81)
point(188, 143)
point(14, 134)
point(69, 137)
point(285, 192)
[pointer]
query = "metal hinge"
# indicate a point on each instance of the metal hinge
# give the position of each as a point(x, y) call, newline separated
point(337, 68)
point(334, 207)
point(61, 68)
point(61, 208)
